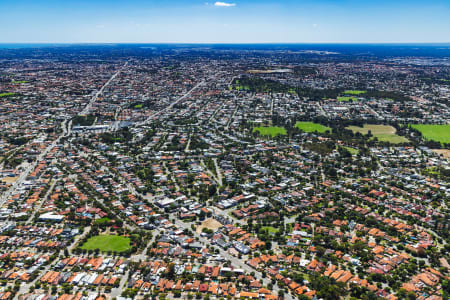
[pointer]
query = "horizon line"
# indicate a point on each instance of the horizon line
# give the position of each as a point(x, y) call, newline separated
point(225, 43)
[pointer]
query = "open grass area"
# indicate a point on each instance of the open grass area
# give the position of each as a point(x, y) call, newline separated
point(270, 131)
point(353, 151)
point(105, 243)
point(20, 81)
point(354, 92)
point(102, 221)
point(392, 138)
point(346, 99)
point(383, 133)
point(311, 127)
point(6, 94)
point(438, 133)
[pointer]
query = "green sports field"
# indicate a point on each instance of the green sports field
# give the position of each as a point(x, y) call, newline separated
point(102, 221)
point(346, 99)
point(438, 133)
point(105, 243)
point(6, 94)
point(270, 131)
point(383, 133)
point(353, 151)
point(311, 127)
point(354, 92)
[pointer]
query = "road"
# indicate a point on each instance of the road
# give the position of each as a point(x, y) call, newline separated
point(372, 110)
point(25, 287)
point(236, 262)
point(94, 98)
point(271, 107)
point(149, 118)
point(78, 238)
point(232, 117)
point(30, 168)
point(116, 292)
point(218, 171)
point(210, 173)
point(66, 132)
point(44, 199)
point(322, 110)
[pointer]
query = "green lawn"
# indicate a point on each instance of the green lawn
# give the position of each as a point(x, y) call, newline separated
point(107, 243)
point(271, 130)
point(103, 221)
point(439, 133)
point(392, 138)
point(6, 94)
point(353, 151)
point(346, 99)
point(383, 133)
point(354, 92)
point(20, 81)
point(138, 106)
point(242, 88)
point(311, 127)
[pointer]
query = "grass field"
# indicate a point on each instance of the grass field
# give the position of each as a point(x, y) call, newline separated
point(270, 131)
point(354, 92)
point(20, 81)
point(438, 133)
point(6, 94)
point(346, 99)
point(103, 221)
point(311, 127)
point(107, 243)
point(353, 151)
point(383, 133)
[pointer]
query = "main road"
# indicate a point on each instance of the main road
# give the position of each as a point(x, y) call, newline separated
point(94, 98)
point(234, 260)
point(30, 168)
point(66, 132)
point(149, 118)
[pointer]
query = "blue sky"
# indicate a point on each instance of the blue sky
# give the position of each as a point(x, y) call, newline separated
point(227, 21)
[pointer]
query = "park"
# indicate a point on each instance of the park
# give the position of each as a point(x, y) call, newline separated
point(104, 243)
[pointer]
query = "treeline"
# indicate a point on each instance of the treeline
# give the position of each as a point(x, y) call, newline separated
point(429, 143)
point(84, 120)
point(305, 70)
point(141, 104)
point(261, 85)
point(121, 136)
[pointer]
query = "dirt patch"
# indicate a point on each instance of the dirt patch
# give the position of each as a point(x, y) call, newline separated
point(210, 224)
point(444, 152)
point(9, 179)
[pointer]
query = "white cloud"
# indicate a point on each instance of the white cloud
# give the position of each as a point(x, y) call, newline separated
point(224, 4)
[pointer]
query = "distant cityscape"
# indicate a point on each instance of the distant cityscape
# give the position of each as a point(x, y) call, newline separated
point(224, 171)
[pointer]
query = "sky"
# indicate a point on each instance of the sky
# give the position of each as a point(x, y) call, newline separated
point(227, 21)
